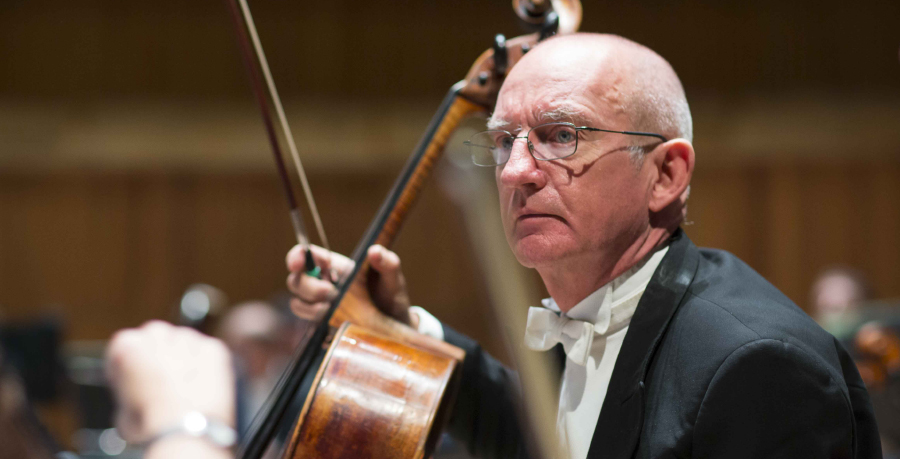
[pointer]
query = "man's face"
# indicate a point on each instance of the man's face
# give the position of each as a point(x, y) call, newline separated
point(592, 204)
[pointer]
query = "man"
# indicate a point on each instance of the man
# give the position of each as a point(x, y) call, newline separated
point(260, 339)
point(672, 351)
point(836, 297)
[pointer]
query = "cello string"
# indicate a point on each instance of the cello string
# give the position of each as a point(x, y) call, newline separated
point(286, 130)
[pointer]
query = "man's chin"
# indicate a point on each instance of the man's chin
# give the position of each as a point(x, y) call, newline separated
point(534, 251)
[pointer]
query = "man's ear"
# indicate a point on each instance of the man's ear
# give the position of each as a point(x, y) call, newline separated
point(675, 165)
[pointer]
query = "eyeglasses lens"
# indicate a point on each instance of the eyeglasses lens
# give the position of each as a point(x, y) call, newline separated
point(553, 141)
point(490, 148)
point(546, 142)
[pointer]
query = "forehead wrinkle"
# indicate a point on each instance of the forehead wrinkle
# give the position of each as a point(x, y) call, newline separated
point(557, 98)
point(564, 113)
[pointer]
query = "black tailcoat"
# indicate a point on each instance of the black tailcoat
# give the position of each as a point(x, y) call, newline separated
point(716, 363)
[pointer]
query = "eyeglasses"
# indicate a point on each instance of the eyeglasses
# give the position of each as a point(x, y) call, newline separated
point(546, 142)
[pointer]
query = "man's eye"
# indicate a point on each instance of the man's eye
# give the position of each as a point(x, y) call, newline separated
point(506, 143)
point(563, 136)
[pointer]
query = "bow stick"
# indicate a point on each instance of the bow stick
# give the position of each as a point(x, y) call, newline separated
point(269, 417)
point(246, 38)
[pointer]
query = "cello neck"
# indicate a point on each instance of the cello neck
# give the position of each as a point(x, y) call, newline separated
point(384, 228)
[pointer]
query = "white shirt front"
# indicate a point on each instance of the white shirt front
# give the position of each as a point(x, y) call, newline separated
point(583, 388)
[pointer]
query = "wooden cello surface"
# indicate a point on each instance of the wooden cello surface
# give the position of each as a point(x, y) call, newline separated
point(375, 397)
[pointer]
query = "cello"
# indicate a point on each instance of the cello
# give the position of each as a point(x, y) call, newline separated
point(381, 390)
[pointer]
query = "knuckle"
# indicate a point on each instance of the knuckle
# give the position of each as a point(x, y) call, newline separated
point(306, 311)
point(156, 326)
point(189, 333)
point(119, 344)
point(394, 260)
point(119, 337)
point(316, 291)
point(298, 305)
point(127, 338)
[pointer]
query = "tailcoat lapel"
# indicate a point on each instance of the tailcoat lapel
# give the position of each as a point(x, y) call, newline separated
point(621, 417)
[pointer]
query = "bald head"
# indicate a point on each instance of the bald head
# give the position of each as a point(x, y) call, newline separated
point(638, 82)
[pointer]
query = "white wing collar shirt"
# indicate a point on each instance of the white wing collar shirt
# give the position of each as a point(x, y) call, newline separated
point(591, 334)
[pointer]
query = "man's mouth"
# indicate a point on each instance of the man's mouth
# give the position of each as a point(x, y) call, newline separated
point(526, 217)
point(531, 216)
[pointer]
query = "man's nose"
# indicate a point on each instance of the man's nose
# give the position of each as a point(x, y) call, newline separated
point(521, 168)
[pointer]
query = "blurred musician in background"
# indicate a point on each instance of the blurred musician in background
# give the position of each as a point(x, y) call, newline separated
point(836, 296)
point(261, 339)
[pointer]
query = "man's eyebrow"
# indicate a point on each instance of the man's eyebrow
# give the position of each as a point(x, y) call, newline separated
point(557, 114)
point(497, 123)
point(564, 114)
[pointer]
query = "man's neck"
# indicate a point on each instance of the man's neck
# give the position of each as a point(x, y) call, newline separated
point(572, 280)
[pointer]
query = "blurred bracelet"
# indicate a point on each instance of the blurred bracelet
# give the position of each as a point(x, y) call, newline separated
point(196, 424)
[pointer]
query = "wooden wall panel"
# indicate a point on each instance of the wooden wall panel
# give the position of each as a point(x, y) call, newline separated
point(883, 207)
point(110, 250)
point(722, 210)
point(113, 250)
point(782, 253)
point(791, 220)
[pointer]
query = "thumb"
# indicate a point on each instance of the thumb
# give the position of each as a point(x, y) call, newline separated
point(387, 264)
point(390, 291)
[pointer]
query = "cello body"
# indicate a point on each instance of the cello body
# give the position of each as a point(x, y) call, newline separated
point(375, 397)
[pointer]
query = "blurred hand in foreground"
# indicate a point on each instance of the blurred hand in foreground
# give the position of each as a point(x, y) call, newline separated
point(159, 373)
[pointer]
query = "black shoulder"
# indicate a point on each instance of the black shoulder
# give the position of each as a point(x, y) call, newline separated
point(736, 296)
point(770, 398)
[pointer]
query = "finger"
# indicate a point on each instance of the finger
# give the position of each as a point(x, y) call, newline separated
point(387, 263)
point(311, 289)
point(335, 261)
point(156, 329)
point(123, 343)
point(296, 258)
point(123, 426)
point(111, 360)
point(308, 311)
point(383, 260)
point(156, 324)
point(325, 259)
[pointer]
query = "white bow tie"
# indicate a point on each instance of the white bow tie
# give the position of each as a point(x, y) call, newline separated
point(545, 329)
